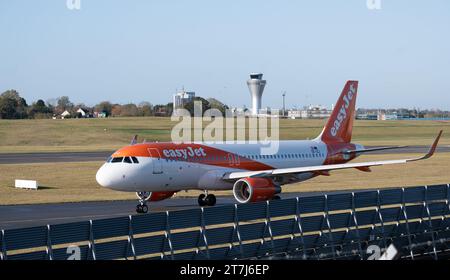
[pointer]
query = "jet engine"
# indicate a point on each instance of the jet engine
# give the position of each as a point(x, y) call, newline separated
point(254, 189)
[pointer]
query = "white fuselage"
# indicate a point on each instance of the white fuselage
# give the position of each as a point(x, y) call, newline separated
point(169, 167)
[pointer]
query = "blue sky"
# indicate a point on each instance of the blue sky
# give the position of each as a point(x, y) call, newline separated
point(131, 51)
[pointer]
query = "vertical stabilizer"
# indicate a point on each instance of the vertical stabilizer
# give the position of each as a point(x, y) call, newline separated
point(339, 126)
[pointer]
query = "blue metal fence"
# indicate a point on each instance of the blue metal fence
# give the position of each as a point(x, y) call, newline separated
point(414, 219)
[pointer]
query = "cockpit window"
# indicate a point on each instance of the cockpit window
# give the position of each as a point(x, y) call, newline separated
point(122, 159)
point(117, 159)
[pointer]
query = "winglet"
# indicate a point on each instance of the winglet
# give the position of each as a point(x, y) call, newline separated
point(432, 148)
point(134, 140)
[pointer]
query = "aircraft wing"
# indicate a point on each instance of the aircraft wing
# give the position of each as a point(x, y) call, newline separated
point(323, 168)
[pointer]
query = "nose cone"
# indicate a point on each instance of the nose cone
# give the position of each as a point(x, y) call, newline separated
point(102, 177)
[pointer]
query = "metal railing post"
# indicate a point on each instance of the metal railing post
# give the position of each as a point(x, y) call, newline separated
point(330, 233)
point(448, 201)
point(203, 233)
point(380, 216)
point(444, 225)
point(236, 230)
point(405, 214)
point(168, 237)
point(3, 253)
point(355, 220)
point(130, 238)
point(49, 244)
point(448, 197)
point(298, 219)
point(268, 227)
point(430, 223)
point(91, 241)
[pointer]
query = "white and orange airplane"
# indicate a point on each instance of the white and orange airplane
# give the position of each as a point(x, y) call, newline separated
point(155, 171)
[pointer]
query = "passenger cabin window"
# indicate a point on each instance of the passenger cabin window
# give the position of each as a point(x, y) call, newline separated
point(117, 159)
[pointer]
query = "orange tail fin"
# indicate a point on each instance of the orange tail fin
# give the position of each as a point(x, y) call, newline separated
point(340, 124)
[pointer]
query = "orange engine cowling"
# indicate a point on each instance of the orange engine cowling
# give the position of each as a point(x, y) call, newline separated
point(254, 189)
point(157, 196)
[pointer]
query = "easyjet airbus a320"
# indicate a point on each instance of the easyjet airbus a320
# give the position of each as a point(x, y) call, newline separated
point(155, 171)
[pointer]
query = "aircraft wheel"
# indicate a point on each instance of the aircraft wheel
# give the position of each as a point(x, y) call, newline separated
point(201, 200)
point(210, 200)
point(139, 208)
point(144, 209)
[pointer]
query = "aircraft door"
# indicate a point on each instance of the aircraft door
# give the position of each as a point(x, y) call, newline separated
point(233, 159)
point(237, 160)
point(157, 161)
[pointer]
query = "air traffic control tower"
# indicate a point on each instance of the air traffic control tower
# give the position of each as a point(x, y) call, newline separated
point(256, 86)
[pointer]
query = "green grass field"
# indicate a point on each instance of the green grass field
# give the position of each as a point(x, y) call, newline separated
point(72, 182)
point(108, 134)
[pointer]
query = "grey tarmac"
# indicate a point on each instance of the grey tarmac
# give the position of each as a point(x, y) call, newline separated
point(20, 158)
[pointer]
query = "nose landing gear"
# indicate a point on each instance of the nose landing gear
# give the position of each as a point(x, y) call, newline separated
point(207, 199)
point(143, 198)
point(141, 208)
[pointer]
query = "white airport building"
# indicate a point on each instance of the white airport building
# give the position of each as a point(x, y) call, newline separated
point(182, 97)
point(311, 112)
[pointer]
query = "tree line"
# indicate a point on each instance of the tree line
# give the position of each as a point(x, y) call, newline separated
point(13, 106)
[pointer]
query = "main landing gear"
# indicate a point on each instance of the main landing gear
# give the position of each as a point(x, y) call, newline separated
point(143, 198)
point(206, 199)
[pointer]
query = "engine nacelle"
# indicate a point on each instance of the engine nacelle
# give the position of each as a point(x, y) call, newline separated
point(254, 189)
point(157, 196)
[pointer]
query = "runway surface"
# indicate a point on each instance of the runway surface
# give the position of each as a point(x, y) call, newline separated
point(102, 156)
point(53, 157)
point(20, 216)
